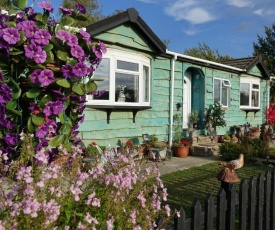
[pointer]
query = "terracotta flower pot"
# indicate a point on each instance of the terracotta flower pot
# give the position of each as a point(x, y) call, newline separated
point(180, 151)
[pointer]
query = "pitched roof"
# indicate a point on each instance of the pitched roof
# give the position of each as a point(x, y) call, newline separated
point(248, 63)
point(130, 15)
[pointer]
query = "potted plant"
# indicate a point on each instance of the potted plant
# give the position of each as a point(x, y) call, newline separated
point(181, 149)
point(194, 117)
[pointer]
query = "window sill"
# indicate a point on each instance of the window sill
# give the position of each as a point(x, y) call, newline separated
point(111, 108)
point(247, 110)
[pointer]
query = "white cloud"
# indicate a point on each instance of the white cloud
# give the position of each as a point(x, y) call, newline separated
point(189, 10)
point(191, 32)
point(240, 3)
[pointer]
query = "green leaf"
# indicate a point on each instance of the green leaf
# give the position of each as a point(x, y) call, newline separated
point(62, 55)
point(50, 57)
point(20, 3)
point(68, 147)
point(32, 93)
point(64, 83)
point(81, 18)
point(90, 86)
point(13, 11)
point(16, 90)
point(30, 126)
point(44, 101)
point(61, 117)
point(79, 89)
point(45, 17)
point(48, 47)
point(67, 21)
point(39, 17)
point(13, 111)
point(11, 105)
point(56, 42)
point(56, 141)
point(72, 61)
point(38, 119)
point(97, 79)
point(65, 129)
point(15, 53)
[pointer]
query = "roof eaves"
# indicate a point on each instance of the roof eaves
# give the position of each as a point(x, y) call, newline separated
point(131, 15)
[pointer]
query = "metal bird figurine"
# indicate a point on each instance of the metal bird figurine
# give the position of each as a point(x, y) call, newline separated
point(228, 174)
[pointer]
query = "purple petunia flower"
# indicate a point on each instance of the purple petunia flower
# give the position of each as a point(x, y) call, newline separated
point(42, 143)
point(42, 131)
point(46, 77)
point(66, 11)
point(80, 69)
point(3, 25)
point(86, 36)
point(42, 37)
point(11, 35)
point(40, 56)
point(45, 6)
point(63, 35)
point(99, 49)
point(31, 50)
point(77, 52)
point(57, 107)
point(80, 8)
point(9, 123)
point(5, 93)
point(28, 27)
point(67, 71)
point(72, 40)
point(48, 108)
point(11, 139)
point(33, 106)
point(34, 76)
point(53, 107)
point(58, 95)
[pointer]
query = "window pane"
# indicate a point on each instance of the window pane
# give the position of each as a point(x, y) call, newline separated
point(244, 94)
point(102, 72)
point(217, 91)
point(146, 83)
point(127, 66)
point(126, 88)
point(254, 86)
point(224, 96)
point(255, 99)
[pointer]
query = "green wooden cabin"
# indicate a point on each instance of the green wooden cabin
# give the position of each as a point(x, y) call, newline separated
point(144, 85)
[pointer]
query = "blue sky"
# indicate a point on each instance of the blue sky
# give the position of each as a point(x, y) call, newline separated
point(230, 26)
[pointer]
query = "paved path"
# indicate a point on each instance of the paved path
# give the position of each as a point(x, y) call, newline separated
point(182, 163)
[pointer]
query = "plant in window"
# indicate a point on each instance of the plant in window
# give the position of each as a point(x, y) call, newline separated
point(214, 115)
point(43, 65)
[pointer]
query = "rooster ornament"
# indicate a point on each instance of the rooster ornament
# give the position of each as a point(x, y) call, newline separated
point(228, 173)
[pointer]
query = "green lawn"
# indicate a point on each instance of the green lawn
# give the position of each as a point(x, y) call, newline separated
point(186, 185)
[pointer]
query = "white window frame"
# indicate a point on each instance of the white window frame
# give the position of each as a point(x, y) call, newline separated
point(251, 82)
point(224, 84)
point(118, 55)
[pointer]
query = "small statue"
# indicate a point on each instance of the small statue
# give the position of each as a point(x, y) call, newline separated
point(228, 174)
point(121, 97)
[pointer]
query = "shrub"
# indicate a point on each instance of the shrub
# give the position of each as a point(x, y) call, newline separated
point(254, 147)
point(60, 195)
point(250, 147)
point(229, 151)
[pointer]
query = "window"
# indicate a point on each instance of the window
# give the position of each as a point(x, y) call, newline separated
point(250, 93)
point(125, 80)
point(221, 91)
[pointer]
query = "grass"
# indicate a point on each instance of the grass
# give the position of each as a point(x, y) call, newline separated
point(186, 185)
